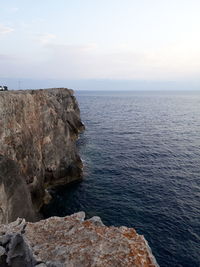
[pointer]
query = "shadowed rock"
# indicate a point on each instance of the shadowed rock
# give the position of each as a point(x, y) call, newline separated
point(15, 199)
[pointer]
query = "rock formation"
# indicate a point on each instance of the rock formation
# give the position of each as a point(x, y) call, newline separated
point(38, 132)
point(71, 242)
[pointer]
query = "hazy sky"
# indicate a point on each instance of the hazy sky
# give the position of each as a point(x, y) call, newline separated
point(100, 39)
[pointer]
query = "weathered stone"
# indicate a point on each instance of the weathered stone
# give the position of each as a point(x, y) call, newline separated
point(4, 239)
point(15, 199)
point(2, 251)
point(72, 242)
point(55, 264)
point(96, 220)
point(38, 131)
point(19, 253)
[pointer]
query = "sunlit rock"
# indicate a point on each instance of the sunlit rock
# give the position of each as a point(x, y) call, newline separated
point(72, 241)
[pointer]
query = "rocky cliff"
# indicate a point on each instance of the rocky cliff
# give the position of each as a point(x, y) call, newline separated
point(38, 132)
point(72, 242)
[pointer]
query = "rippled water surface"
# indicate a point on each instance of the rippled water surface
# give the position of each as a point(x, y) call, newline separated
point(141, 153)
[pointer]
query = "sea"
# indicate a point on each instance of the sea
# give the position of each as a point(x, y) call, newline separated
point(141, 155)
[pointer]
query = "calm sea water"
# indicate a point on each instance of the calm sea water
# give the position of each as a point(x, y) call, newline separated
point(141, 153)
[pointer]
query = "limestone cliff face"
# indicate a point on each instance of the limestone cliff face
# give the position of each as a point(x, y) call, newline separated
point(38, 131)
point(72, 242)
point(15, 199)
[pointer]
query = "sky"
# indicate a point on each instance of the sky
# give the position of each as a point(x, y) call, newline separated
point(155, 41)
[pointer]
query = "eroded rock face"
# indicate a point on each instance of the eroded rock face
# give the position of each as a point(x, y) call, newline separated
point(72, 242)
point(38, 131)
point(15, 199)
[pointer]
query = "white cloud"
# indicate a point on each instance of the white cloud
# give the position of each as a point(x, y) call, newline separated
point(91, 61)
point(122, 61)
point(5, 30)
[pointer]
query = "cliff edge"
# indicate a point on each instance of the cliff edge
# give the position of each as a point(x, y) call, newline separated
point(38, 133)
point(72, 241)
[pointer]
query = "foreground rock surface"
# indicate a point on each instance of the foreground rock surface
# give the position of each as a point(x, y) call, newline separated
point(38, 132)
point(72, 241)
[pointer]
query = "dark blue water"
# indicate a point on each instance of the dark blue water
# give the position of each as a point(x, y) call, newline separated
point(141, 153)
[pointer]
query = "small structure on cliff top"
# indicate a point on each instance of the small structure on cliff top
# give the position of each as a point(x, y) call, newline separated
point(3, 88)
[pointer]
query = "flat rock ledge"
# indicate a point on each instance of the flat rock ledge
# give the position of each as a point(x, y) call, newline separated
point(72, 241)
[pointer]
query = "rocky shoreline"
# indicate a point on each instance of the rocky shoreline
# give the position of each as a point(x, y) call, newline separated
point(38, 133)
